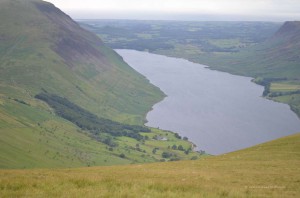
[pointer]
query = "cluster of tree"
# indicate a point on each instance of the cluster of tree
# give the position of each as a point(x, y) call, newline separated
point(266, 82)
point(173, 157)
point(276, 94)
point(177, 136)
point(166, 154)
point(295, 109)
point(142, 45)
point(90, 122)
point(180, 148)
point(155, 150)
point(208, 47)
point(20, 101)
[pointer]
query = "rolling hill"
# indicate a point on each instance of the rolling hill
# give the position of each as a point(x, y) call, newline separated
point(67, 100)
point(266, 170)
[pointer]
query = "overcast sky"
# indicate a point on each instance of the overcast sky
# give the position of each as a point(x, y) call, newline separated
point(270, 10)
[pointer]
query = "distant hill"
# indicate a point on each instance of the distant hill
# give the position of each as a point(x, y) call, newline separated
point(266, 170)
point(276, 57)
point(285, 45)
point(67, 100)
point(290, 30)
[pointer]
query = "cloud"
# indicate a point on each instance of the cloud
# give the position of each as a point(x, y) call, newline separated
point(279, 8)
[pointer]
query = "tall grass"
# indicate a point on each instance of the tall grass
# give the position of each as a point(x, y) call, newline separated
point(267, 170)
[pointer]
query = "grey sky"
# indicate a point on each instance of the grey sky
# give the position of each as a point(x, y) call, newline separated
point(274, 10)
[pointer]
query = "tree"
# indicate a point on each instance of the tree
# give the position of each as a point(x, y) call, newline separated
point(180, 147)
point(154, 151)
point(166, 155)
point(177, 136)
point(174, 147)
point(194, 158)
point(122, 155)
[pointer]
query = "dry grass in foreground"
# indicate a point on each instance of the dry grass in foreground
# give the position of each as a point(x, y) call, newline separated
point(268, 170)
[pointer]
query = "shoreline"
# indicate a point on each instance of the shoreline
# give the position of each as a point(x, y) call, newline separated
point(232, 73)
point(182, 131)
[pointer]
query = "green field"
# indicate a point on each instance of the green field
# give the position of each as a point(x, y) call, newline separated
point(285, 86)
point(266, 170)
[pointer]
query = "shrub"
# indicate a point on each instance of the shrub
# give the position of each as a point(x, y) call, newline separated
point(122, 155)
point(166, 155)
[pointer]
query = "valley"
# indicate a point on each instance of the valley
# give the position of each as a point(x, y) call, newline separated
point(224, 46)
point(217, 111)
point(73, 112)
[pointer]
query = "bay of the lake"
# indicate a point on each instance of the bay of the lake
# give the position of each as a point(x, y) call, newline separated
point(217, 111)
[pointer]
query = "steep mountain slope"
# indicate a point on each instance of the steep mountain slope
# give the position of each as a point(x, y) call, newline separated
point(66, 100)
point(266, 170)
point(43, 49)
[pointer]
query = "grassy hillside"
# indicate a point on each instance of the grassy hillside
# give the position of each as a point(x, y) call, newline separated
point(43, 51)
point(266, 170)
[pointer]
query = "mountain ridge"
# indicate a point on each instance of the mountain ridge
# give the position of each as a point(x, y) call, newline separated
point(289, 28)
point(70, 45)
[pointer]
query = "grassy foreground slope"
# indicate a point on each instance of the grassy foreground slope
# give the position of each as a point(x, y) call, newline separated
point(42, 50)
point(267, 170)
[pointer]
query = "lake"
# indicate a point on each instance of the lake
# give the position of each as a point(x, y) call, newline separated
point(217, 111)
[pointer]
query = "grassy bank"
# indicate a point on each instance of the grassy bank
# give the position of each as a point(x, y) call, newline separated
point(267, 170)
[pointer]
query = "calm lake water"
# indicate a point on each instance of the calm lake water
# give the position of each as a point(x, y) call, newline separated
point(217, 111)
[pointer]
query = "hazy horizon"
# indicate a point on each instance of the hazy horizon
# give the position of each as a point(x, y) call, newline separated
point(184, 10)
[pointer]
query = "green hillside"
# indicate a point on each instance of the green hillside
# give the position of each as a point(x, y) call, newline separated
point(94, 104)
point(267, 170)
point(42, 49)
